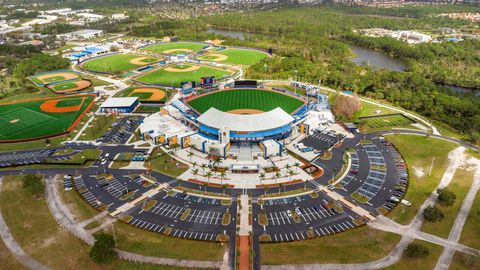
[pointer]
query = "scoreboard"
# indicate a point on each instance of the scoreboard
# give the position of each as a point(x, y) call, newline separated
point(207, 81)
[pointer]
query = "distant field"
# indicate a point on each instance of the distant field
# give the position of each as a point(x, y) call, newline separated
point(236, 56)
point(54, 76)
point(145, 94)
point(70, 86)
point(175, 47)
point(165, 77)
point(117, 63)
point(40, 118)
point(255, 99)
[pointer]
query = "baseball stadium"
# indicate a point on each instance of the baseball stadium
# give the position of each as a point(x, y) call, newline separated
point(26, 120)
point(250, 115)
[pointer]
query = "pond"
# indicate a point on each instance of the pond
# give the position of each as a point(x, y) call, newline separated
point(229, 33)
point(375, 59)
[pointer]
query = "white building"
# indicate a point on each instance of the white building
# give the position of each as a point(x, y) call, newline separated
point(90, 17)
point(119, 17)
point(81, 34)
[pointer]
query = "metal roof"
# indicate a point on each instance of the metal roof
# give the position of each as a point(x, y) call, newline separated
point(275, 118)
point(115, 102)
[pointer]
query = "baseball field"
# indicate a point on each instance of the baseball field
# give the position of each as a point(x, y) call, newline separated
point(145, 94)
point(235, 56)
point(117, 63)
point(54, 76)
point(71, 86)
point(40, 118)
point(181, 73)
point(252, 100)
point(176, 47)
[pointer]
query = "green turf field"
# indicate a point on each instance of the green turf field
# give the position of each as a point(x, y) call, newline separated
point(164, 77)
point(160, 48)
point(387, 121)
point(53, 79)
point(245, 99)
point(25, 120)
point(238, 56)
point(64, 86)
point(142, 96)
point(114, 63)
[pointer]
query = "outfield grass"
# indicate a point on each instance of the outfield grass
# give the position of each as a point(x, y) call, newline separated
point(460, 185)
point(113, 63)
point(163, 77)
point(25, 120)
point(427, 262)
point(418, 152)
point(144, 242)
point(143, 96)
point(353, 246)
point(245, 99)
point(160, 48)
point(240, 56)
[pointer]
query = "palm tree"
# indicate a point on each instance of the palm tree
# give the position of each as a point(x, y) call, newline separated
point(297, 165)
point(290, 173)
point(266, 189)
point(222, 176)
point(203, 166)
point(208, 175)
point(277, 175)
point(224, 187)
point(217, 161)
point(194, 164)
point(287, 167)
point(190, 155)
point(205, 185)
point(262, 177)
point(195, 172)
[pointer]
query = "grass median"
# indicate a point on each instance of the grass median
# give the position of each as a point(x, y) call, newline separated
point(354, 246)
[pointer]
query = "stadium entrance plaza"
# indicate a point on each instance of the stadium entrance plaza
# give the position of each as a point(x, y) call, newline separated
point(284, 163)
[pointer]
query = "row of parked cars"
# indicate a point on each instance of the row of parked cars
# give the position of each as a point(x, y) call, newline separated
point(402, 179)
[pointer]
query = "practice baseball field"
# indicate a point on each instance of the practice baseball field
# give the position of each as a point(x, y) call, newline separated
point(117, 63)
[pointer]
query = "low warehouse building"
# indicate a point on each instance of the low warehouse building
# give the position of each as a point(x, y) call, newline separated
point(119, 105)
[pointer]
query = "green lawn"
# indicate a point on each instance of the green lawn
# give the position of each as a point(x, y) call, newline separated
point(77, 205)
point(114, 63)
point(80, 158)
point(418, 152)
point(427, 262)
point(471, 233)
point(369, 109)
point(162, 162)
point(240, 56)
point(160, 48)
point(384, 122)
point(163, 77)
point(463, 261)
point(245, 99)
point(97, 127)
point(460, 185)
point(354, 246)
point(25, 120)
point(144, 242)
point(40, 236)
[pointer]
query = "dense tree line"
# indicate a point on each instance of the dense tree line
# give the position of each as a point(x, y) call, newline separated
point(39, 62)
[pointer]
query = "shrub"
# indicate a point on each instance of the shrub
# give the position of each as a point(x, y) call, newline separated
point(432, 214)
point(416, 251)
point(446, 197)
point(103, 250)
point(33, 184)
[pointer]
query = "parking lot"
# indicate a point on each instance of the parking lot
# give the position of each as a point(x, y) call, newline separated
point(21, 158)
point(121, 130)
